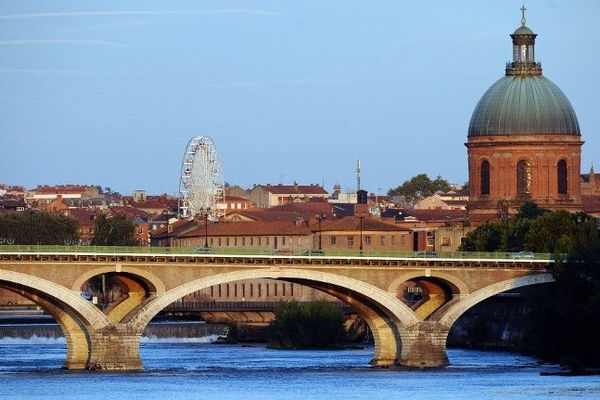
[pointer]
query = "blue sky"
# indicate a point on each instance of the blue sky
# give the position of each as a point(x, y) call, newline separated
point(109, 92)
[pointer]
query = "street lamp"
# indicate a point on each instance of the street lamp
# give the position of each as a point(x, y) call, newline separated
point(360, 248)
point(205, 214)
point(320, 217)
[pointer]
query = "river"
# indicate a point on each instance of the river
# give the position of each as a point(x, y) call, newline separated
point(195, 369)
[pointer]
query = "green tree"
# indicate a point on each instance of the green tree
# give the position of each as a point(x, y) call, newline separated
point(317, 324)
point(420, 186)
point(552, 232)
point(118, 230)
point(38, 228)
point(565, 315)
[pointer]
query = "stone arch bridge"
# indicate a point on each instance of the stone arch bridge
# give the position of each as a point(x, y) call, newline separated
point(409, 336)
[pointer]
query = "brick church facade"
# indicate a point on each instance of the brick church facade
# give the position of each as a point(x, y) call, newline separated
point(524, 142)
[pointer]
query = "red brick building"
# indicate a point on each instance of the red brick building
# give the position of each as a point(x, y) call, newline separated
point(524, 141)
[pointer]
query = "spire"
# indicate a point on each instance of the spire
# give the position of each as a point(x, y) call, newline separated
point(592, 169)
point(523, 19)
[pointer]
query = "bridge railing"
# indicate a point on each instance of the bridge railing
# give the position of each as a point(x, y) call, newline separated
point(238, 251)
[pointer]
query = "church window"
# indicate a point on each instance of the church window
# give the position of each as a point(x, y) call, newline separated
point(485, 177)
point(561, 171)
point(523, 177)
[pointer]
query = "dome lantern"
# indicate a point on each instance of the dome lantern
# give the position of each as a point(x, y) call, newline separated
point(523, 39)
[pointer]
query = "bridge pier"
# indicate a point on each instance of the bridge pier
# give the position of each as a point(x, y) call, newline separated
point(116, 347)
point(424, 345)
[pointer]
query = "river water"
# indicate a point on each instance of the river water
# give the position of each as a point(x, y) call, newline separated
point(196, 369)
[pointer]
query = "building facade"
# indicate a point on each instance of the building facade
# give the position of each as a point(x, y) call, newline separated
point(524, 141)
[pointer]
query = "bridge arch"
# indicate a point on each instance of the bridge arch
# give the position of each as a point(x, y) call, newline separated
point(385, 314)
point(455, 310)
point(154, 284)
point(56, 294)
point(77, 317)
point(457, 286)
point(393, 307)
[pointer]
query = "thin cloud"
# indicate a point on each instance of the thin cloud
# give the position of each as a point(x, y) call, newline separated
point(45, 71)
point(60, 42)
point(133, 13)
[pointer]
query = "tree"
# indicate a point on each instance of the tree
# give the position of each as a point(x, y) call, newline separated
point(307, 325)
point(565, 315)
point(420, 186)
point(38, 228)
point(118, 230)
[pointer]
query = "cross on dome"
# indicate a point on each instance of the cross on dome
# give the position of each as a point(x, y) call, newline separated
point(523, 9)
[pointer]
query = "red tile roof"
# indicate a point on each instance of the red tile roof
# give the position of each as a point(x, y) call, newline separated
point(265, 214)
point(250, 228)
point(129, 210)
point(353, 224)
point(591, 204)
point(295, 189)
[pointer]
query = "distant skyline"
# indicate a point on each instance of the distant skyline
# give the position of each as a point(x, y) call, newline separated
point(109, 92)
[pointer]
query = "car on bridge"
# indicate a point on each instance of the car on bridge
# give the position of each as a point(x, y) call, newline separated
point(523, 255)
point(203, 250)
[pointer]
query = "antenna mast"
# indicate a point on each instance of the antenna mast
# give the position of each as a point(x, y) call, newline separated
point(357, 175)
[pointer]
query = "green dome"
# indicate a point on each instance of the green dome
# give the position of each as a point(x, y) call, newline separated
point(524, 105)
point(523, 30)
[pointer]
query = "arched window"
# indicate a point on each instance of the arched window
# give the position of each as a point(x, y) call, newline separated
point(523, 177)
point(561, 172)
point(485, 177)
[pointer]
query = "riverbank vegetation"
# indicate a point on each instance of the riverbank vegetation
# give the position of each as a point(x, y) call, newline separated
point(318, 324)
point(564, 315)
point(25, 228)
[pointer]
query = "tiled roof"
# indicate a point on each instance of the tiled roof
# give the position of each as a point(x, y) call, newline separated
point(85, 216)
point(177, 228)
point(11, 203)
point(306, 209)
point(266, 214)
point(61, 189)
point(131, 211)
point(294, 189)
point(250, 228)
point(151, 204)
point(353, 224)
point(591, 204)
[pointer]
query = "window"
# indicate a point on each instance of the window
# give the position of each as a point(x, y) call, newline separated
point(485, 177)
point(350, 240)
point(332, 240)
point(561, 171)
point(383, 240)
point(368, 240)
point(446, 241)
point(523, 177)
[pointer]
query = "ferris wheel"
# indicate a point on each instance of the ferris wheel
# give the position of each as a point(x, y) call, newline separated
point(201, 183)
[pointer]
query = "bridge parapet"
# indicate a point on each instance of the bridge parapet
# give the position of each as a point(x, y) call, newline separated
point(275, 260)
